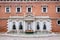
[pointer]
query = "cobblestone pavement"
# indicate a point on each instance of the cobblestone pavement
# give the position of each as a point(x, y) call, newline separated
point(29, 37)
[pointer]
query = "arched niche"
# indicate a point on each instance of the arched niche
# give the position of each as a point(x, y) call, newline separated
point(20, 26)
point(14, 26)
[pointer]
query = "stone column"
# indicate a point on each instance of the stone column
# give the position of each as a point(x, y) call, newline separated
point(17, 26)
point(10, 24)
point(41, 26)
point(34, 26)
point(48, 24)
point(24, 26)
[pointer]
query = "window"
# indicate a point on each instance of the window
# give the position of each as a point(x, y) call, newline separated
point(38, 27)
point(18, 9)
point(44, 9)
point(21, 26)
point(14, 26)
point(7, 9)
point(44, 26)
point(29, 9)
point(59, 22)
point(58, 9)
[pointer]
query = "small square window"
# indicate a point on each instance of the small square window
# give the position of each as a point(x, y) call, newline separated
point(18, 9)
point(58, 21)
point(29, 9)
point(7, 9)
point(58, 9)
point(44, 9)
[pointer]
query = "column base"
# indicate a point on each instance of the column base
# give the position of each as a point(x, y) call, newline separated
point(29, 32)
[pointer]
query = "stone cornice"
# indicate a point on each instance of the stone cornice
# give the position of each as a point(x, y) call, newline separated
point(22, 17)
point(29, 2)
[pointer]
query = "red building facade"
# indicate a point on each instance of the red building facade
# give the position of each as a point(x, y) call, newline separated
point(42, 15)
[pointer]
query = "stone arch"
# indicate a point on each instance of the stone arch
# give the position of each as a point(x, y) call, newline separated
point(47, 23)
point(38, 25)
point(20, 26)
point(14, 26)
point(44, 26)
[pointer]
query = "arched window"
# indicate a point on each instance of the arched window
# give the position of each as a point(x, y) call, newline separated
point(20, 26)
point(44, 26)
point(38, 27)
point(14, 26)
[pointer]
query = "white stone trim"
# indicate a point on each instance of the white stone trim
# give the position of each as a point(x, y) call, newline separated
point(24, 26)
point(34, 26)
point(42, 17)
point(48, 24)
point(29, 17)
point(9, 26)
point(41, 21)
point(16, 17)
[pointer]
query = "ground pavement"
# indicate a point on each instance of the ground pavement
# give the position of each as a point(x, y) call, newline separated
point(29, 37)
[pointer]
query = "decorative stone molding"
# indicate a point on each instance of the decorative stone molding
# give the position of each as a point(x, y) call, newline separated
point(16, 17)
point(42, 17)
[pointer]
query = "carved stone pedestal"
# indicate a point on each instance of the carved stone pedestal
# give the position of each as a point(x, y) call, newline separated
point(29, 31)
